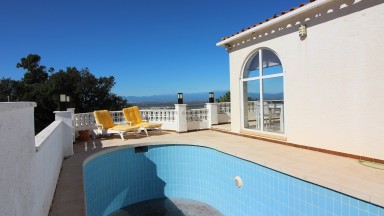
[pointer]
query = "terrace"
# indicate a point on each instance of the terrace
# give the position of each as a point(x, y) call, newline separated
point(319, 145)
point(342, 174)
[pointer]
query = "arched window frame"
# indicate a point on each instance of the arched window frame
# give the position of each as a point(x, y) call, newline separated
point(261, 77)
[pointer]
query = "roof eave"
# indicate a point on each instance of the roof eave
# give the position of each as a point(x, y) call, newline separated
point(273, 21)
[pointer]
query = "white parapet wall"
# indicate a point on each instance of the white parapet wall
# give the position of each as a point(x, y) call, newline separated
point(29, 165)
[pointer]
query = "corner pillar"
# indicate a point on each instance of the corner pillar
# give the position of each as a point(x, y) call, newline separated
point(212, 114)
point(181, 117)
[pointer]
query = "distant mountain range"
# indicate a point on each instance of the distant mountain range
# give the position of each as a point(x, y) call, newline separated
point(172, 98)
point(190, 97)
point(276, 96)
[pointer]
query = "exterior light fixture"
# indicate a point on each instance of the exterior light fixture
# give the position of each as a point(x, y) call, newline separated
point(180, 98)
point(63, 98)
point(211, 97)
point(302, 31)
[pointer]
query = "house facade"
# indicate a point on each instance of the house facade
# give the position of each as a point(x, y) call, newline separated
point(312, 76)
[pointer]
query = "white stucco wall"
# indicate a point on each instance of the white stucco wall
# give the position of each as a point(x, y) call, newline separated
point(29, 165)
point(17, 152)
point(333, 82)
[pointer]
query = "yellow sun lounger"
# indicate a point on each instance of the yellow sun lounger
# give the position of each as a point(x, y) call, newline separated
point(132, 116)
point(105, 124)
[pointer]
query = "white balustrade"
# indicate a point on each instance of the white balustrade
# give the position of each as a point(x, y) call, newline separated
point(84, 121)
point(158, 115)
point(117, 117)
point(170, 118)
point(197, 115)
point(197, 119)
point(253, 105)
point(224, 112)
point(224, 107)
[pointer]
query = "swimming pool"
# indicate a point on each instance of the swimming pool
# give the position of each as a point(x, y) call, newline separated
point(119, 177)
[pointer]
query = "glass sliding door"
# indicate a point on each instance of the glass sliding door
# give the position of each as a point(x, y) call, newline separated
point(273, 95)
point(252, 105)
point(263, 93)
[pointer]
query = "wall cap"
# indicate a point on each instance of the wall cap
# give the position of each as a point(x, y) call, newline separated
point(10, 106)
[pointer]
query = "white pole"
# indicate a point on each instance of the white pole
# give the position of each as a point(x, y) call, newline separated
point(8, 98)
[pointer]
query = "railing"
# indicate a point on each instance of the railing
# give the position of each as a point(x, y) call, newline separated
point(117, 117)
point(253, 106)
point(84, 121)
point(224, 107)
point(224, 112)
point(197, 115)
point(159, 115)
point(197, 119)
point(192, 119)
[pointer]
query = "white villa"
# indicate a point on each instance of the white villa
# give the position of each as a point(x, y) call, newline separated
point(311, 77)
point(320, 80)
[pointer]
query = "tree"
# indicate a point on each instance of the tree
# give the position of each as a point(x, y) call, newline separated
point(225, 98)
point(87, 92)
point(8, 89)
point(36, 73)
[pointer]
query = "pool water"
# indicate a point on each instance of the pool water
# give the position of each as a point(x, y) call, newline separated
point(119, 177)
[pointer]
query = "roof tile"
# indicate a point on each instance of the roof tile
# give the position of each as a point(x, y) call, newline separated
point(269, 19)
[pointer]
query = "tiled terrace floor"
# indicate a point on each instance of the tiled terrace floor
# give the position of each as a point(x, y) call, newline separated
point(339, 173)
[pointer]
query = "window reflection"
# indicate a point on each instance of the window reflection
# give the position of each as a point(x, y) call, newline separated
point(252, 104)
point(264, 110)
point(252, 68)
point(273, 95)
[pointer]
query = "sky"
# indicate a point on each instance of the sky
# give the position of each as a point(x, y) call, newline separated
point(151, 47)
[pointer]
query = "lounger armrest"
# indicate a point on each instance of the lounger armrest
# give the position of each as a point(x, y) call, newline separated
point(128, 123)
point(100, 125)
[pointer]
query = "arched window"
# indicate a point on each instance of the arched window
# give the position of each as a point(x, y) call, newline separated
point(263, 92)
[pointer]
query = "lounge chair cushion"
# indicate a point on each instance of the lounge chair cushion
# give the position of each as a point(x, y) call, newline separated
point(132, 114)
point(103, 117)
point(129, 115)
point(149, 125)
point(137, 114)
point(124, 128)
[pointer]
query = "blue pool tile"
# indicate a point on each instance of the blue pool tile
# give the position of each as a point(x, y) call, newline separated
point(373, 209)
point(381, 211)
point(363, 205)
point(345, 199)
point(337, 196)
point(353, 211)
point(337, 207)
point(354, 203)
point(122, 177)
point(322, 191)
point(322, 212)
point(308, 209)
point(315, 211)
point(363, 213)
